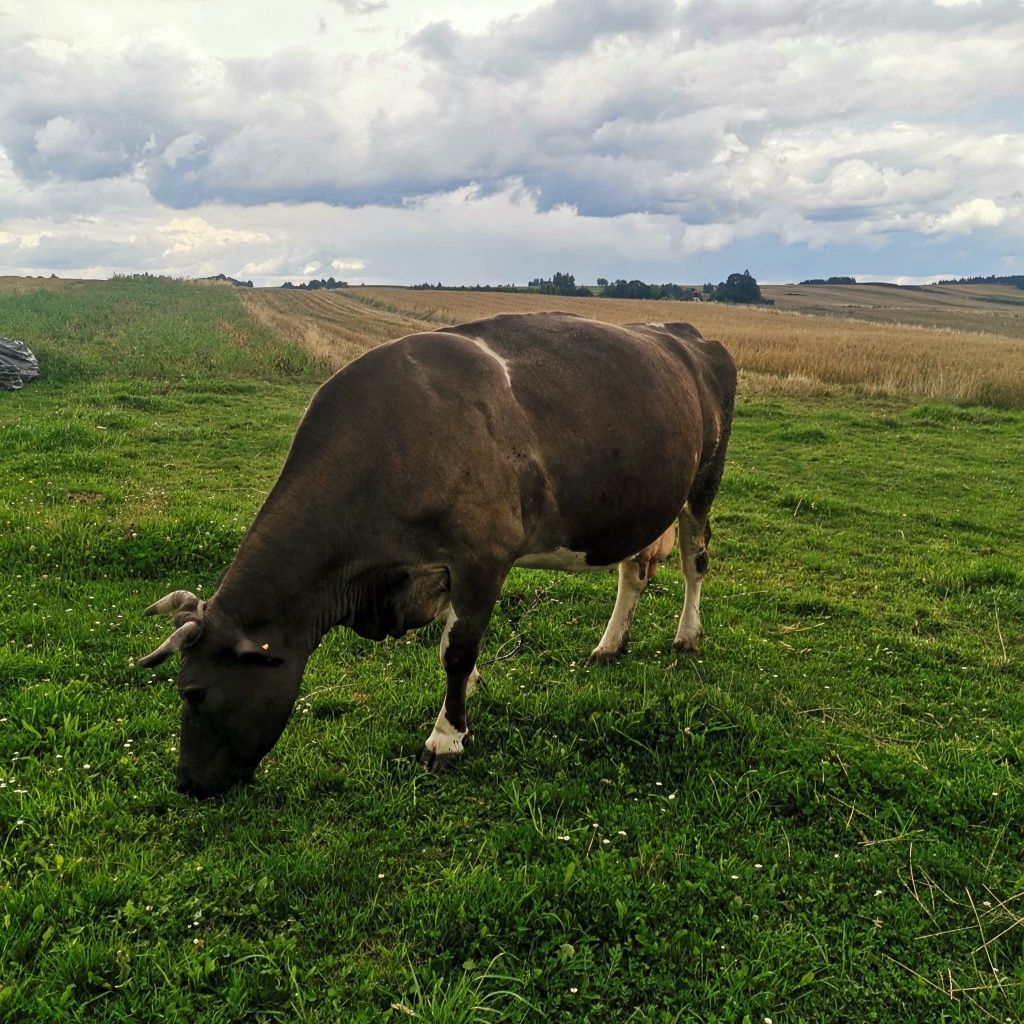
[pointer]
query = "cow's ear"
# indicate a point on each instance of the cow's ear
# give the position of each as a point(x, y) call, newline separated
point(256, 653)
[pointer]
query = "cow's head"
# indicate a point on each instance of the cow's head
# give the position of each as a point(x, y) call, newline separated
point(237, 692)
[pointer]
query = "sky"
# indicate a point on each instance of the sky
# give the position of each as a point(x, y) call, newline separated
point(396, 142)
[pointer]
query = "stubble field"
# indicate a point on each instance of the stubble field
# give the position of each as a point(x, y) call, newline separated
point(820, 818)
point(779, 351)
point(976, 308)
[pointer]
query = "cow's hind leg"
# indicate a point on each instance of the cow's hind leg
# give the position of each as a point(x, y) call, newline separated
point(634, 574)
point(615, 640)
point(472, 602)
point(694, 534)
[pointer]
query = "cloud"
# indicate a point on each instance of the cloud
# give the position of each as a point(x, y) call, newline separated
point(965, 217)
point(69, 148)
point(362, 6)
point(184, 147)
point(554, 31)
point(690, 129)
point(191, 234)
point(349, 264)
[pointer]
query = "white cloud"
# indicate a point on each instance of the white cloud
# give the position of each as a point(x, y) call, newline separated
point(965, 217)
point(184, 147)
point(362, 6)
point(191, 234)
point(686, 129)
point(69, 147)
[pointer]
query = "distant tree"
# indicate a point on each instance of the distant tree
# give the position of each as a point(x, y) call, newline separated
point(1014, 280)
point(635, 289)
point(316, 285)
point(560, 284)
point(738, 288)
point(602, 282)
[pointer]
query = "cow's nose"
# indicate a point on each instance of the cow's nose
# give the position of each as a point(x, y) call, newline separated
point(193, 787)
point(185, 783)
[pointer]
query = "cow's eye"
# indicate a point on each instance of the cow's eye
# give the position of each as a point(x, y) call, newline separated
point(258, 659)
point(194, 696)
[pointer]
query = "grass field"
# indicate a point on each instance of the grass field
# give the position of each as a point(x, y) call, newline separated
point(820, 819)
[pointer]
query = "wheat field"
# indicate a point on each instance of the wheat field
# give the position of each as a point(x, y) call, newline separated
point(776, 350)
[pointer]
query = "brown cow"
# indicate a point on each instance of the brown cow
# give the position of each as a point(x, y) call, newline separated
point(419, 476)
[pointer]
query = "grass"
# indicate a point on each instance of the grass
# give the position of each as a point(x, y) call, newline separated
point(145, 327)
point(819, 819)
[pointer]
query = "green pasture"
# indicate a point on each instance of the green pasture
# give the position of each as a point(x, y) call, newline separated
point(819, 819)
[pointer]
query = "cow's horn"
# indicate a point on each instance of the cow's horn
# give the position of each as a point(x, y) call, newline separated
point(171, 603)
point(181, 637)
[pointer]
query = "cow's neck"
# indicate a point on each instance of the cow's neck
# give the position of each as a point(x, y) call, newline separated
point(280, 576)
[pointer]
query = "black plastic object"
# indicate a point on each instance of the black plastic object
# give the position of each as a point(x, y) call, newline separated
point(17, 364)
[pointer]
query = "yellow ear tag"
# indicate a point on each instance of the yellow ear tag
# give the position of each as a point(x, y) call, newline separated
point(265, 647)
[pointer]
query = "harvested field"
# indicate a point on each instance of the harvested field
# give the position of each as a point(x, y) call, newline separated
point(989, 309)
point(777, 350)
point(333, 327)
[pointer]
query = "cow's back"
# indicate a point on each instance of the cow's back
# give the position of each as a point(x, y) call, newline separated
point(594, 431)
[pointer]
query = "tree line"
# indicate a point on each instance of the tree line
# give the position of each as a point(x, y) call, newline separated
point(736, 288)
point(1014, 280)
point(313, 286)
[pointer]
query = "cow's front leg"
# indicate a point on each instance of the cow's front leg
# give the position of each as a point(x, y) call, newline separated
point(460, 645)
point(449, 618)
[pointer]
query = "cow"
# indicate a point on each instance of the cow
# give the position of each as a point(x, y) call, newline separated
point(419, 476)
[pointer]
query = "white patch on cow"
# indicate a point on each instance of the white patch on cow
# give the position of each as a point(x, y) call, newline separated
point(660, 327)
point(449, 618)
point(691, 546)
point(487, 350)
point(626, 599)
point(561, 559)
point(689, 632)
point(445, 739)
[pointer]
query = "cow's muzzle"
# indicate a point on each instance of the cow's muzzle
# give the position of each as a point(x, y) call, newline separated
point(203, 789)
